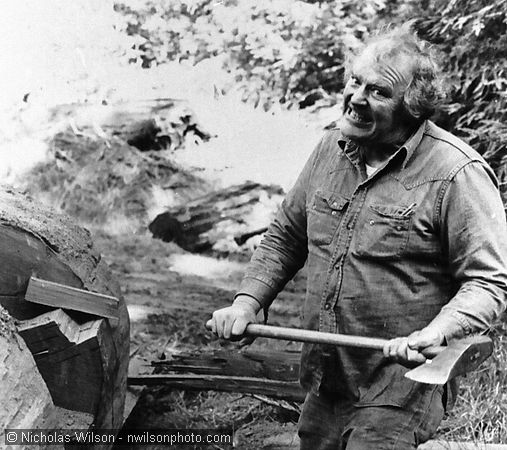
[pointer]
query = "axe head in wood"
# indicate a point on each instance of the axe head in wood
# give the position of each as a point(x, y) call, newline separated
point(458, 358)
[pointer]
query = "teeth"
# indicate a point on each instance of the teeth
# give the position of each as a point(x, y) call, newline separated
point(357, 116)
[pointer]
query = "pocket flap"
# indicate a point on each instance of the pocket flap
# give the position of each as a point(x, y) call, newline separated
point(402, 212)
point(333, 200)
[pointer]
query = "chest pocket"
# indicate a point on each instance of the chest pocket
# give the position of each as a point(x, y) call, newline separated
point(385, 232)
point(326, 212)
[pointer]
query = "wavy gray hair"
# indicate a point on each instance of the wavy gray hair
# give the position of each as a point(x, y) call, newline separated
point(425, 91)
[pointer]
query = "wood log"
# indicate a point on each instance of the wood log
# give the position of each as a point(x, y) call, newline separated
point(286, 390)
point(35, 241)
point(224, 219)
point(148, 124)
point(270, 364)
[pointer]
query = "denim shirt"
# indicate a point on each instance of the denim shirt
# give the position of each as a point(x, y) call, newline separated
point(421, 240)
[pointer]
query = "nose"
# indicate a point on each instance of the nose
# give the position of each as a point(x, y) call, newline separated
point(358, 96)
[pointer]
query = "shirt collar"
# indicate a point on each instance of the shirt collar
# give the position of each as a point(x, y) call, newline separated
point(409, 147)
point(413, 142)
point(350, 149)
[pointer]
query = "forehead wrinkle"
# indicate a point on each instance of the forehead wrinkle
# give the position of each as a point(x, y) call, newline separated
point(385, 59)
point(378, 75)
point(393, 75)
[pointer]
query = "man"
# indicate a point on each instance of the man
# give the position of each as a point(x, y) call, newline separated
point(403, 232)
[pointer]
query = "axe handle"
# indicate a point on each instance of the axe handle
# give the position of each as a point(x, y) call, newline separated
point(318, 337)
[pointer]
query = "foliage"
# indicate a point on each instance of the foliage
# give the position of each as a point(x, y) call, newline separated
point(279, 50)
point(292, 51)
point(472, 35)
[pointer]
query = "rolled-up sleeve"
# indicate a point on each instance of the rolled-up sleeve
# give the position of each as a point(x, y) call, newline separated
point(474, 236)
point(284, 248)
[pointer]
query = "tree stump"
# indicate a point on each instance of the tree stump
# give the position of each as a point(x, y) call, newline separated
point(82, 358)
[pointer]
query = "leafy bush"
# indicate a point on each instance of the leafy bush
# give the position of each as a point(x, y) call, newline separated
point(473, 37)
point(279, 50)
point(292, 51)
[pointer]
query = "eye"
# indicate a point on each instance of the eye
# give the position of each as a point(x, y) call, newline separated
point(379, 92)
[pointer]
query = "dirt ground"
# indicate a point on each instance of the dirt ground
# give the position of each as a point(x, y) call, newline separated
point(169, 307)
point(107, 185)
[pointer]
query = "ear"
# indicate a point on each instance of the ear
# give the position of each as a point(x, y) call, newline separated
point(414, 102)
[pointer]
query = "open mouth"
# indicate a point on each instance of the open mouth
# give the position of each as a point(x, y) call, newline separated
point(358, 117)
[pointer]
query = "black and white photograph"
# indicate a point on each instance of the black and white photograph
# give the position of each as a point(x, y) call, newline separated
point(253, 224)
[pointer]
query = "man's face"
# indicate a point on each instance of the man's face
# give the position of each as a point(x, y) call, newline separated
point(373, 97)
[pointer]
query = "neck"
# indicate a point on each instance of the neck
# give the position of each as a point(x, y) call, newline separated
point(377, 154)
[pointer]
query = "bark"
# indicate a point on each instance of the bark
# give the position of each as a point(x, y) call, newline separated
point(76, 351)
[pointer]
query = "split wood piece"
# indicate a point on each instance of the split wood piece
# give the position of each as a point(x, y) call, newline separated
point(225, 218)
point(37, 241)
point(60, 296)
point(273, 365)
point(285, 390)
point(69, 357)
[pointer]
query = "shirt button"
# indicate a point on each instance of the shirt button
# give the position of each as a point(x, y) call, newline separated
point(333, 213)
point(372, 222)
point(327, 306)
